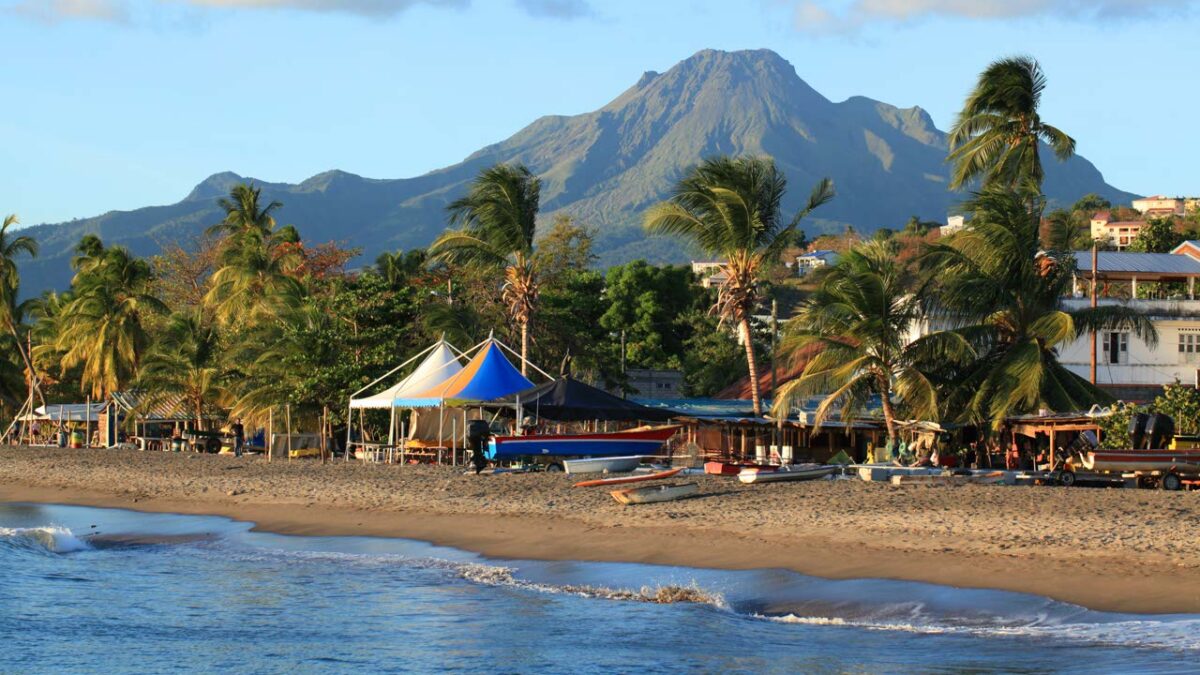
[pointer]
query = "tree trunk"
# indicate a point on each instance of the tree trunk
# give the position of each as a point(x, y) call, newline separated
point(752, 364)
point(524, 346)
point(28, 359)
point(889, 414)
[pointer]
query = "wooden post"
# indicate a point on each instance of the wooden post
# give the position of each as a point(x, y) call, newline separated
point(87, 421)
point(324, 434)
point(270, 434)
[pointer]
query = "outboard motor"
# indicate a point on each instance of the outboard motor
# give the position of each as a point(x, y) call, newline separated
point(1160, 429)
point(1137, 430)
point(478, 432)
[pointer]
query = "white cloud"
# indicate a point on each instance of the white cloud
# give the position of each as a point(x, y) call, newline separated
point(53, 11)
point(120, 10)
point(827, 16)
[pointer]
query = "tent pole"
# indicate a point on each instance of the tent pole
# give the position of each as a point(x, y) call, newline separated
point(288, 411)
point(349, 427)
point(270, 434)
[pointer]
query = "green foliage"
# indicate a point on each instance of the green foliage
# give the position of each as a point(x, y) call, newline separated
point(998, 133)
point(711, 358)
point(1158, 235)
point(1005, 299)
point(644, 301)
point(1114, 428)
point(1181, 402)
point(570, 324)
point(565, 247)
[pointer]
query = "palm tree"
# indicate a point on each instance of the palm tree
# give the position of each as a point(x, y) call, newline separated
point(854, 332)
point(103, 327)
point(397, 266)
point(254, 281)
point(730, 207)
point(11, 247)
point(186, 361)
point(1005, 297)
point(243, 213)
point(498, 219)
point(998, 133)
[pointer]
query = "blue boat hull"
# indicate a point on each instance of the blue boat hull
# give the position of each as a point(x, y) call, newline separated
point(584, 445)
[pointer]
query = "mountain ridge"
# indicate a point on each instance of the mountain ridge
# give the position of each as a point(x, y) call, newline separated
point(606, 166)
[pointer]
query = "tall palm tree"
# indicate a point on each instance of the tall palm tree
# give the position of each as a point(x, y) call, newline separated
point(999, 292)
point(186, 361)
point(103, 327)
point(730, 207)
point(997, 135)
point(254, 281)
point(244, 213)
point(11, 247)
point(497, 221)
point(397, 266)
point(854, 332)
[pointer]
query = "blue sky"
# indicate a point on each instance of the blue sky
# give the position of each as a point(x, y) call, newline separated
point(116, 104)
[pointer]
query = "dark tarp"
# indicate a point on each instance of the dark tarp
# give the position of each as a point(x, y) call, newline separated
point(569, 400)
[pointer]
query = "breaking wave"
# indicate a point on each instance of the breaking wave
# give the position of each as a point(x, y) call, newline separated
point(50, 539)
point(1174, 634)
point(493, 575)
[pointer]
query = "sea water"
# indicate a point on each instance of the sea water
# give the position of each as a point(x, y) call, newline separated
point(111, 591)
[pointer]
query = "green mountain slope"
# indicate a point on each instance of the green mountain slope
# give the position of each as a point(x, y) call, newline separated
point(607, 166)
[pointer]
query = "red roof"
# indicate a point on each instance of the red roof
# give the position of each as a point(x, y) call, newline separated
point(1101, 215)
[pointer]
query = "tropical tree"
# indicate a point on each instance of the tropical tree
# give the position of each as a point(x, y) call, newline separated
point(998, 291)
point(103, 328)
point(396, 267)
point(998, 133)
point(186, 361)
point(11, 248)
point(244, 213)
point(730, 207)
point(497, 221)
point(853, 334)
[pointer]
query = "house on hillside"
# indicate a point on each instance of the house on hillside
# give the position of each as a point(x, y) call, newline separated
point(814, 260)
point(1119, 233)
point(710, 274)
point(953, 224)
point(1160, 205)
point(1190, 248)
point(654, 383)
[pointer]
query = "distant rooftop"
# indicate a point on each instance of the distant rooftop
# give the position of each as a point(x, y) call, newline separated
point(1118, 262)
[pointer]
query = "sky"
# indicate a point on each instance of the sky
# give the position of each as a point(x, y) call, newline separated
point(118, 104)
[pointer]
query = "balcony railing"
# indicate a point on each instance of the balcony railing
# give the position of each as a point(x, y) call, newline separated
point(1159, 308)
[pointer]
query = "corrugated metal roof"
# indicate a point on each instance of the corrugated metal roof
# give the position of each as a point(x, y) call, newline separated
point(160, 407)
point(1149, 263)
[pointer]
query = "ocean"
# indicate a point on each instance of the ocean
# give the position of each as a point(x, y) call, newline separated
point(112, 591)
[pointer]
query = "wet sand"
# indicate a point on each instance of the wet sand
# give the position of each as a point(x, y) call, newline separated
point(1107, 549)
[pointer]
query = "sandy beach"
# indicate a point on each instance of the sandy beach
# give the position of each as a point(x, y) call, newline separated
point(1108, 549)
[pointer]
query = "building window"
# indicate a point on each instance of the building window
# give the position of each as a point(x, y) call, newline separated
point(1116, 347)
point(1189, 347)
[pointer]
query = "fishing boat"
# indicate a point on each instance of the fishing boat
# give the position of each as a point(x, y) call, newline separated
point(602, 464)
point(634, 442)
point(655, 493)
point(786, 472)
point(729, 468)
point(619, 480)
point(1116, 461)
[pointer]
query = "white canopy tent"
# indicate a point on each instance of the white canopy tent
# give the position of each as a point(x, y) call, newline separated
point(441, 363)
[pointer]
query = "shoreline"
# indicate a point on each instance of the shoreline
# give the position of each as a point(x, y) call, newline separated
point(510, 537)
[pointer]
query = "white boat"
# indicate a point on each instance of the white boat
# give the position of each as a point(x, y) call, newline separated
point(602, 464)
point(786, 472)
point(655, 493)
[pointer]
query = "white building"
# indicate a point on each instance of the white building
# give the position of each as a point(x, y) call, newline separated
point(1122, 359)
point(814, 260)
point(953, 224)
point(1160, 205)
point(710, 274)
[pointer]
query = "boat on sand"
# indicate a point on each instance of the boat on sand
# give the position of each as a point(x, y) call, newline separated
point(602, 464)
point(619, 480)
point(787, 472)
point(1181, 461)
point(655, 493)
point(646, 441)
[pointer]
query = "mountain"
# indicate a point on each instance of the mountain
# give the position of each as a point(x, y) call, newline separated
point(605, 167)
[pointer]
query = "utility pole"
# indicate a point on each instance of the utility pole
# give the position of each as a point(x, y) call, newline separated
point(1095, 256)
point(774, 341)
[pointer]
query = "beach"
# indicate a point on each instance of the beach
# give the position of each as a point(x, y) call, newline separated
point(1108, 549)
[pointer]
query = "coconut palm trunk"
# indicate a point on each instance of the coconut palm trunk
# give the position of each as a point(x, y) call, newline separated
point(889, 412)
point(752, 364)
point(524, 346)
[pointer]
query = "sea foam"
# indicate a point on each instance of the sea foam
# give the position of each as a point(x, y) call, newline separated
point(51, 539)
